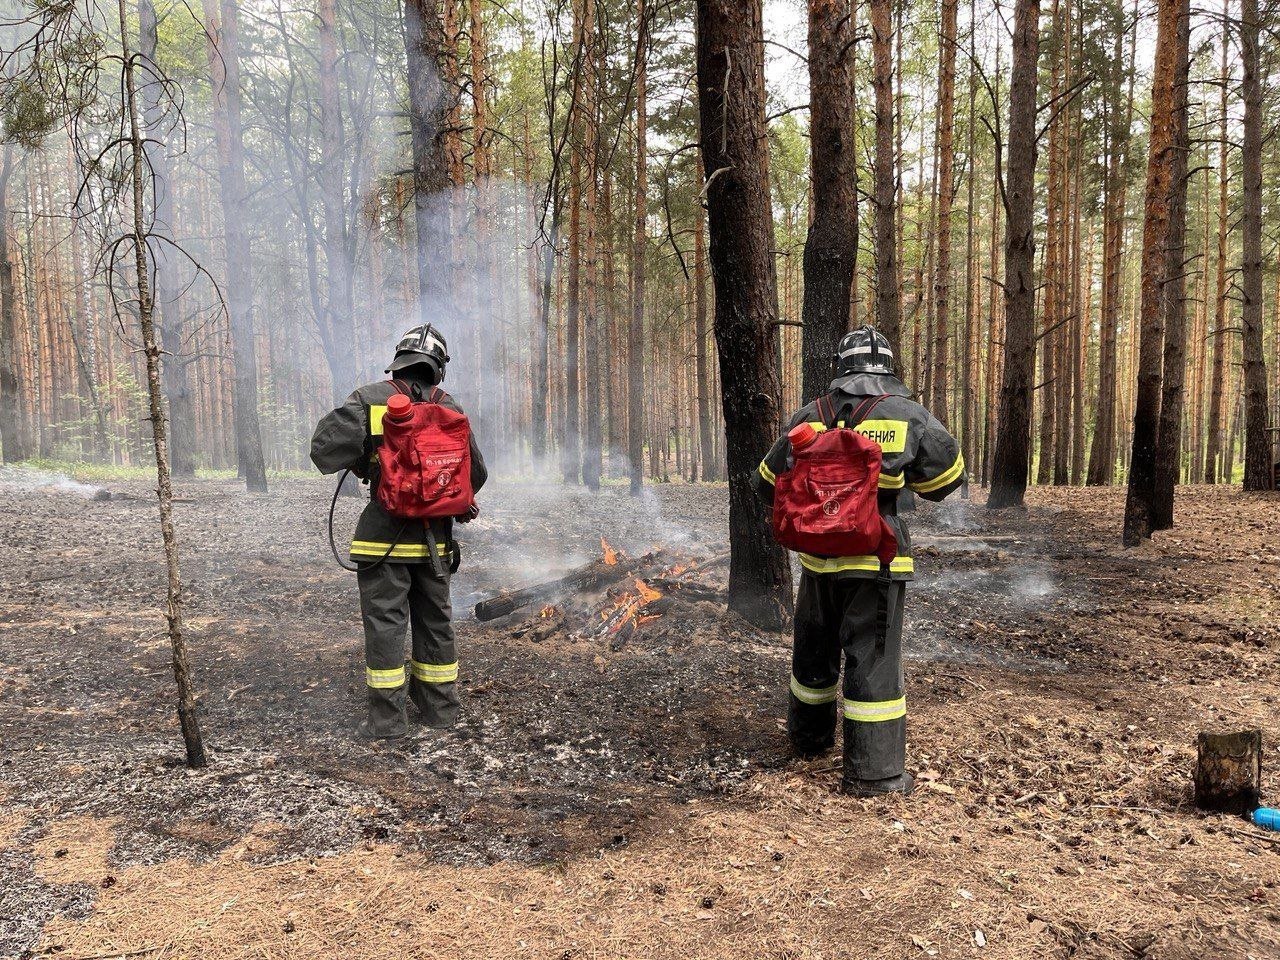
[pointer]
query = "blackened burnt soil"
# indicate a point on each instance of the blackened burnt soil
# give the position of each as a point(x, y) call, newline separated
point(578, 742)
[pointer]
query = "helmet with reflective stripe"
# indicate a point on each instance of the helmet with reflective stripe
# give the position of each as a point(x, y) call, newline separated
point(422, 345)
point(865, 350)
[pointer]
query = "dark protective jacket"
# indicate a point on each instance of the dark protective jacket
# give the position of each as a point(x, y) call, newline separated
point(349, 437)
point(919, 454)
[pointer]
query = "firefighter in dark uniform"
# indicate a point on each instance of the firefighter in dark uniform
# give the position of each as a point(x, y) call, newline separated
point(404, 565)
point(853, 605)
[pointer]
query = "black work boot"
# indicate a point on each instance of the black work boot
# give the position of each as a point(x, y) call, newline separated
point(903, 783)
point(366, 731)
point(807, 749)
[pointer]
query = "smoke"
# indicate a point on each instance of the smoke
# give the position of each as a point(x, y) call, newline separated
point(23, 479)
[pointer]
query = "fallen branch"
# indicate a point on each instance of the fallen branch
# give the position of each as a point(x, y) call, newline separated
point(589, 577)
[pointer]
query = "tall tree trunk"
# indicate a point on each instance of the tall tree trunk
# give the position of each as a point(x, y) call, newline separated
point(187, 718)
point(13, 445)
point(1010, 462)
point(430, 102)
point(635, 329)
point(706, 424)
point(888, 277)
point(832, 239)
point(340, 323)
point(1169, 431)
point(731, 100)
point(1102, 455)
point(592, 453)
point(1257, 442)
point(224, 74)
point(571, 444)
point(1155, 245)
point(946, 161)
point(1217, 376)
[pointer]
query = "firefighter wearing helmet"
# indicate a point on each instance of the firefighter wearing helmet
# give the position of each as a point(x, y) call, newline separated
point(851, 606)
point(403, 564)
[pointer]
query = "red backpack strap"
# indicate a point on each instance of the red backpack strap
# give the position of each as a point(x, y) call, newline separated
point(435, 396)
point(864, 409)
point(401, 387)
point(826, 409)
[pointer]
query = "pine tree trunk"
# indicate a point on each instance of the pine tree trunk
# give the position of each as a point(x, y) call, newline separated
point(592, 454)
point(571, 443)
point(832, 237)
point(705, 377)
point(1169, 432)
point(1155, 244)
point(13, 445)
point(1257, 441)
point(946, 161)
point(1010, 462)
point(635, 329)
point(224, 73)
point(731, 101)
point(888, 278)
point(187, 718)
point(1214, 424)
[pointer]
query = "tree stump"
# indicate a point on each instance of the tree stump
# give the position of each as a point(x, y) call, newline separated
point(1229, 771)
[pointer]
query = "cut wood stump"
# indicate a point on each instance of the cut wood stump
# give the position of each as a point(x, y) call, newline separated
point(1229, 771)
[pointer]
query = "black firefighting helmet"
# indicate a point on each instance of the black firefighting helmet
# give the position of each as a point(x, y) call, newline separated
point(422, 345)
point(865, 350)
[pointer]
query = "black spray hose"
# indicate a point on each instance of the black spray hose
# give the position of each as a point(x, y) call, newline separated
point(333, 546)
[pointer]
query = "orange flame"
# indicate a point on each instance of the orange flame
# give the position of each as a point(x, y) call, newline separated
point(610, 554)
point(627, 608)
point(550, 610)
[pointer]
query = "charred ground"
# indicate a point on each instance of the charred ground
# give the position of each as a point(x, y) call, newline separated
point(1056, 684)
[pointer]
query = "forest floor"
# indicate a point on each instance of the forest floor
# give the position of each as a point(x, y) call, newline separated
point(627, 794)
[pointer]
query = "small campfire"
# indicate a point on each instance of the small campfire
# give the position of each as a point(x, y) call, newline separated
point(612, 597)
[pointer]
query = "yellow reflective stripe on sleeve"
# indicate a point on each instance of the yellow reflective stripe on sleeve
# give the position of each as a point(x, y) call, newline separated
point(890, 434)
point(434, 672)
point(870, 564)
point(889, 482)
point(813, 695)
point(384, 679)
point(875, 711)
point(770, 477)
point(376, 548)
point(947, 476)
point(376, 412)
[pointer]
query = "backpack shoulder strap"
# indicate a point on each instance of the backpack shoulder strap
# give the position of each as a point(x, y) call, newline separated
point(865, 407)
point(436, 395)
point(401, 387)
point(827, 408)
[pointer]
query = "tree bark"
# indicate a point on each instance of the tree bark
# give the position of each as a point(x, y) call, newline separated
point(946, 161)
point(832, 238)
point(224, 74)
point(13, 445)
point(1257, 441)
point(733, 136)
point(592, 452)
point(1010, 462)
point(1217, 376)
point(888, 276)
point(1169, 432)
point(635, 329)
point(430, 101)
point(1139, 502)
point(187, 719)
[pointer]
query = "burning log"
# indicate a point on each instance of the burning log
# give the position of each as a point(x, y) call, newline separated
point(592, 576)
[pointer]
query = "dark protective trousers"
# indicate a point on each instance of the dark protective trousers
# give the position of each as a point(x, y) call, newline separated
point(393, 597)
point(840, 616)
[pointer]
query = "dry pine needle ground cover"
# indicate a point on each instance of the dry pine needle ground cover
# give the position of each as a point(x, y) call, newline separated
point(632, 800)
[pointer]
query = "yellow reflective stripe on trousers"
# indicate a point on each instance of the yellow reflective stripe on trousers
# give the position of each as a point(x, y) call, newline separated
point(949, 475)
point(375, 548)
point(384, 679)
point(875, 711)
point(813, 695)
point(768, 474)
point(869, 564)
point(890, 482)
point(434, 672)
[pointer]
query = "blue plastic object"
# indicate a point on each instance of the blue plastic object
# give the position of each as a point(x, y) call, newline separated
point(1268, 818)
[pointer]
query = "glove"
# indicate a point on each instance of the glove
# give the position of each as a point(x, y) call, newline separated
point(473, 511)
